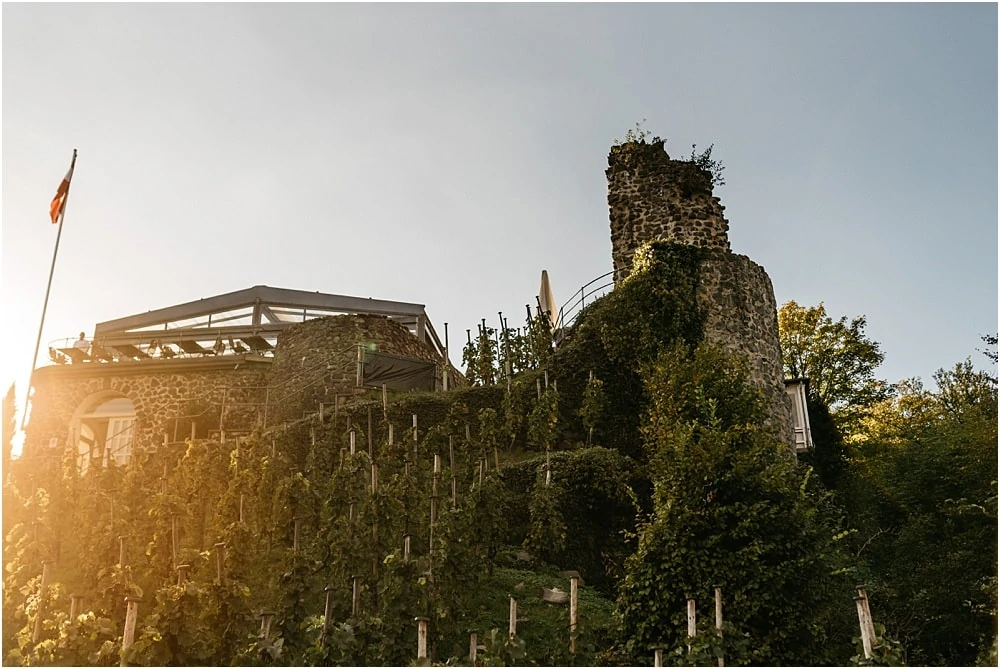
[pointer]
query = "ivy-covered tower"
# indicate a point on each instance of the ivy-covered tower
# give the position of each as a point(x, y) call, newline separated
point(654, 198)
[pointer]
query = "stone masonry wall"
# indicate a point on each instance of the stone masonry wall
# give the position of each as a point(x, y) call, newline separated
point(160, 394)
point(317, 360)
point(741, 316)
point(654, 198)
point(651, 197)
point(314, 362)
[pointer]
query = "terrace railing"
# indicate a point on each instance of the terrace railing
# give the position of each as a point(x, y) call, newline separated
point(588, 293)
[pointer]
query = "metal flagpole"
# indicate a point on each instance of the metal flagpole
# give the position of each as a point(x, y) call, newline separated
point(48, 288)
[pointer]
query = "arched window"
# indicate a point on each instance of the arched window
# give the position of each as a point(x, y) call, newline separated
point(105, 431)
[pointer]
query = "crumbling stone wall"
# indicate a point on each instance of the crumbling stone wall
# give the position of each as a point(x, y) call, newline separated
point(741, 315)
point(654, 198)
point(651, 197)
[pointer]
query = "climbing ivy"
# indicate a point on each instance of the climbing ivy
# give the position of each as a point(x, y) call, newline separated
point(612, 338)
point(731, 509)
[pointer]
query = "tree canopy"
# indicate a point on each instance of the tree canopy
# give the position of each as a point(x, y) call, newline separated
point(836, 356)
point(922, 501)
point(731, 509)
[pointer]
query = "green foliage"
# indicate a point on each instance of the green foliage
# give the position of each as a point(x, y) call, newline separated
point(991, 352)
point(886, 651)
point(922, 496)
point(593, 405)
point(544, 419)
point(704, 161)
point(89, 640)
point(495, 353)
point(638, 135)
point(690, 491)
point(730, 509)
point(547, 535)
point(581, 520)
point(480, 357)
point(709, 646)
point(614, 336)
point(829, 455)
point(836, 357)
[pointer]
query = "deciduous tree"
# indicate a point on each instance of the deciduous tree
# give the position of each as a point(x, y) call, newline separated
point(922, 497)
point(836, 356)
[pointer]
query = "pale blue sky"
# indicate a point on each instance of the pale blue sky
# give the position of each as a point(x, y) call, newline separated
point(446, 154)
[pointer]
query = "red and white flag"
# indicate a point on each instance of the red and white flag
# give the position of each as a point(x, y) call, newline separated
point(59, 201)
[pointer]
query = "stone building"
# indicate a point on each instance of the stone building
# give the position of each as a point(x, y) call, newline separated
point(224, 365)
point(654, 198)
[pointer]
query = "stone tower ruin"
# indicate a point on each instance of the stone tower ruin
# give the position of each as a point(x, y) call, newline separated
point(654, 198)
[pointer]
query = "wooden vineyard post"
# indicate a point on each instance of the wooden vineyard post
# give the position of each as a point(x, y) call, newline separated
point(451, 467)
point(265, 623)
point(434, 498)
point(220, 562)
point(473, 646)
point(406, 547)
point(355, 597)
point(173, 539)
point(361, 366)
point(375, 560)
point(74, 606)
point(414, 435)
point(297, 532)
point(42, 596)
point(327, 611)
point(371, 443)
point(385, 403)
point(241, 508)
point(718, 618)
point(422, 637)
point(692, 626)
point(131, 614)
point(574, 584)
point(122, 541)
point(865, 621)
point(182, 573)
point(512, 619)
point(352, 441)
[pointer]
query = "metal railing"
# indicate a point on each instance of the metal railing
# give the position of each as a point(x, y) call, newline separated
point(568, 312)
point(63, 351)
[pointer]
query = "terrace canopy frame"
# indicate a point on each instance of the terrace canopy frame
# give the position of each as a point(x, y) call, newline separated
point(255, 316)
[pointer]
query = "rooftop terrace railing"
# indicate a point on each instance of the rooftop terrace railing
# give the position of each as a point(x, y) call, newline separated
point(588, 293)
